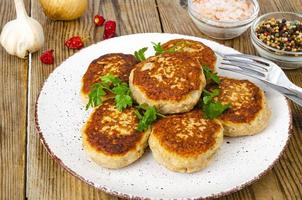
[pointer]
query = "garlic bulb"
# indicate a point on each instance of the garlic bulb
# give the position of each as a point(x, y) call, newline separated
point(64, 9)
point(23, 34)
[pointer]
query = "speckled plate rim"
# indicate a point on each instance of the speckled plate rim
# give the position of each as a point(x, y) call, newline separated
point(126, 196)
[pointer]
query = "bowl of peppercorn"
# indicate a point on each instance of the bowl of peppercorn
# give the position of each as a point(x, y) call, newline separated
point(277, 36)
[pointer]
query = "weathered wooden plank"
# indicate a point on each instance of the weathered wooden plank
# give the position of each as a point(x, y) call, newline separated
point(289, 169)
point(13, 90)
point(46, 179)
point(284, 181)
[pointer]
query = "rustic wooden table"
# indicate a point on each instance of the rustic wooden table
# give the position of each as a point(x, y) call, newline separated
point(27, 171)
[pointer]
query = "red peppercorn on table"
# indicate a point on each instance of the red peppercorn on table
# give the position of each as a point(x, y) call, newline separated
point(26, 169)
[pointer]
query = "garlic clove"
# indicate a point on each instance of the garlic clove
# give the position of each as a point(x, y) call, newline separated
point(22, 35)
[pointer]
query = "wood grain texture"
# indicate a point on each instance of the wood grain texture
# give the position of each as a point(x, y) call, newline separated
point(284, 180)
point(13, 90)
point(288, 171)
point(46, 179)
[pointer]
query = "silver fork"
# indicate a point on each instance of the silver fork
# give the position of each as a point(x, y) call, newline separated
point(261, 69)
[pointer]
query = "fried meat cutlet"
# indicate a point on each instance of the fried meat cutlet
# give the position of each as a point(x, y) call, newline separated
point(117, 64)
point(249, 113)
point(110, 137)
point(171, 82)
point(195, 49)
point(185, 142)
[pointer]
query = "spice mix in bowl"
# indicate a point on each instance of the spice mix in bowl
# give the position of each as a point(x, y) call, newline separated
point(278, 37)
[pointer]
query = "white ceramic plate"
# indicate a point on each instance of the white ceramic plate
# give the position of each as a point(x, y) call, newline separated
point(60, 114)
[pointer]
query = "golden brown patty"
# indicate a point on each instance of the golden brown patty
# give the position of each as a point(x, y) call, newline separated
point(249, 113)
point(203, 53)
point(170, 82)
point(185, 142)
point(117, 64)
point(110, 137)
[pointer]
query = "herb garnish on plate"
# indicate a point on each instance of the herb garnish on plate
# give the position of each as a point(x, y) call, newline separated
point(149, 116)
point(159, 50)
point(211, 108)
point(122, 95)
point(210, 75)
point(140, 54)
point(110, 83)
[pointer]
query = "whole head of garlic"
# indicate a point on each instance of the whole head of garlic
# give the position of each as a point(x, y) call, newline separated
point(22, 35)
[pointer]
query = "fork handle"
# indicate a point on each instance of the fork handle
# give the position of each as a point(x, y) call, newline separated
point(297, 94)
point(295, 99)
point(294, 93)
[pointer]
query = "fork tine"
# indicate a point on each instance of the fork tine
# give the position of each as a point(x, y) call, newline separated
point(261, 67)
point(251, 57)
point(245, 67)
point(238, 70)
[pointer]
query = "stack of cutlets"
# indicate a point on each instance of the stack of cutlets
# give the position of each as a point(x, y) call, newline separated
point(184, 140)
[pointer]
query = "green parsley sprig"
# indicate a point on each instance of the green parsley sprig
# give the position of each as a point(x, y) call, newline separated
point(110, 83)
point(159, 50)
point(212, 109)
point(122, 96)
point(140, 54)
point(208, 96)
point(210, 75)
point(110, 79)
point(149, 116)
point(96, 95)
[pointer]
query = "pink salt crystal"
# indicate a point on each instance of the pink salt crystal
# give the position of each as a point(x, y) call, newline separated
point(223, 10)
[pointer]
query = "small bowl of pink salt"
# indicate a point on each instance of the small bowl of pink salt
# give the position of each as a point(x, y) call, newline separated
point(223, 19)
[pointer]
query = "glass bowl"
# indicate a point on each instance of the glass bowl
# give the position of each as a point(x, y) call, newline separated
point(286, 59)
point(222, 29)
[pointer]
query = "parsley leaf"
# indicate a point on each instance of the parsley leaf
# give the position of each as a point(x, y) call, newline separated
point(138, 114)
point(112, 84)
point(214, 109)
point(159, 50)
point(140, 54)
point(95, 95)
point(210, 75)
point(122, 88)
point(149, 116)
point(211, 108)
point(208, 96)
point(109, 78)
point(122, 98)
point(122, 101)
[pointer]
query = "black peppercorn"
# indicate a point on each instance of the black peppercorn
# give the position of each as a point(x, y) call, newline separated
point(281, 34)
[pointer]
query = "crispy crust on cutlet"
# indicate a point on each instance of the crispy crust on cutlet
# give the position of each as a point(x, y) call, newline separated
point(249, 113)
point(170, 82)
point(187, 134)
point(110, 137)
point(167, 76)
point(185, 142)
point(203, 53)
point(117, 64)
